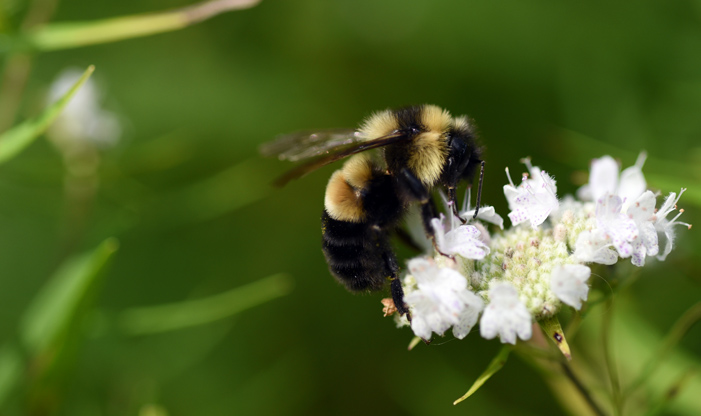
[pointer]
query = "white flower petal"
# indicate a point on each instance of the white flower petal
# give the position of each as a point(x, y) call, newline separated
point(440, 300)
point(464, 240)
point(664, 226)
point(632, 184)
point(486, 213)
point(594, 246)
point(569, 283)
point(603, 179)
point(533, 200)
point(505, 315)
point(438, 231)
point(619, 227)
point(468, 317)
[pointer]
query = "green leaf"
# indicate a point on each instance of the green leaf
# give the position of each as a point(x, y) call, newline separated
point(76, 34)
point(496, 365)
point(11, 366)
point(17, 138)
point(179, 315)
point(55, 308)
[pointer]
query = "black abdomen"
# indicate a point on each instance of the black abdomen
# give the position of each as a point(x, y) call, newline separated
point(358, 255)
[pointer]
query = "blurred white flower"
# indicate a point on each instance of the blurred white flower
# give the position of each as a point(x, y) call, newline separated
point(441, 300)
point(569, 283)
point(604, 178)
point(534, 199)
point(82, 120)
point(505, 315)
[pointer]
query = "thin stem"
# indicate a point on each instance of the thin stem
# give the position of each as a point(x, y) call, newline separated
point(14, 78)
point(19, 65)
point(609, 359)
point(581, 388)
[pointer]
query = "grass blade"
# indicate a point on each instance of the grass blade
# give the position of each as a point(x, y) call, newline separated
point(53, 311)
point(496, 365)
point(17, 138)
point(178, 315)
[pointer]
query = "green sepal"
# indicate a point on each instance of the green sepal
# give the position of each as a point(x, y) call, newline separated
point(553, 331)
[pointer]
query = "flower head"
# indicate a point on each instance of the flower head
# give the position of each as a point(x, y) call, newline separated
point(527, 274)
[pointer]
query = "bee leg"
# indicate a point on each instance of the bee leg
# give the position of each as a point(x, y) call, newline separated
point(395, 283)
point(414, 190)
point(452, 199)
point(428, 212)
point(479, 190)
point(398, 297)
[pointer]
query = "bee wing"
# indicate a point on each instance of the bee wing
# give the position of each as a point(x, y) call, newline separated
point(304, 145)
point(338, 154)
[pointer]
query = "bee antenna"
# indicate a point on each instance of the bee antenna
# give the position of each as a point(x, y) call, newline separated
point(479, 190)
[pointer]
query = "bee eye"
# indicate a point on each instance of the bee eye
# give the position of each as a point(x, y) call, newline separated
point(414, 130)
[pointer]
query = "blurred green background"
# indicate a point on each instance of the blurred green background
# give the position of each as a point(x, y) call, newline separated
point(187, 197)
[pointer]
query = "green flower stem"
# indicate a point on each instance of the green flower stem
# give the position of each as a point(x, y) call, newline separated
point(566, 386)
point(609, 359)
point(581, 388)
point(18, 66)
point(14, 79)
point(76, 34)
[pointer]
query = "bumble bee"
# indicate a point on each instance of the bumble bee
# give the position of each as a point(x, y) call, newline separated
point(421, 147)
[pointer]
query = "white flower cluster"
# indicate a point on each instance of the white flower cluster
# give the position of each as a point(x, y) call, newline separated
point(528, 272)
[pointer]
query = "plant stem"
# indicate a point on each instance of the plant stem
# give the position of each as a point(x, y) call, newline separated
point(581, 388)
point(609, 359)
point(18, 65)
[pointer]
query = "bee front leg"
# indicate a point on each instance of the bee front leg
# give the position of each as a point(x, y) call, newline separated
point(414, 190)
point(452, 199)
